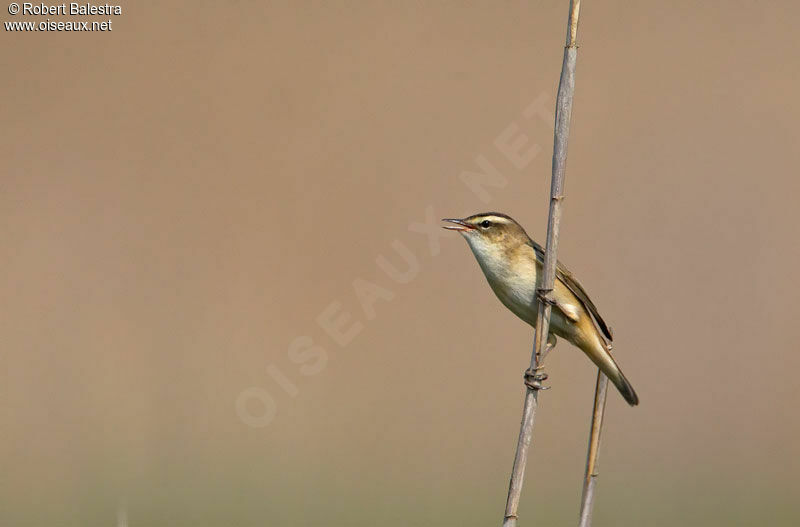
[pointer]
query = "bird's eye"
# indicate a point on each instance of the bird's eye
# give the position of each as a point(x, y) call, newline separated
point(485, 224)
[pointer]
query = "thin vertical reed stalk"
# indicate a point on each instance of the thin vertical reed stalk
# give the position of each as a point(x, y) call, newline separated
point(566, 89)
point(590, 477)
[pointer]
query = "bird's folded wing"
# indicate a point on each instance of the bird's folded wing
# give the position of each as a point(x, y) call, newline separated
point(563, 274)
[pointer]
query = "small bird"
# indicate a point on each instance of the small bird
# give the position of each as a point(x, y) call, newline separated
point(512, 263)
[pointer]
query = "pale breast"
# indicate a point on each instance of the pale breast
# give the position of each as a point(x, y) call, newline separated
point(513, 280)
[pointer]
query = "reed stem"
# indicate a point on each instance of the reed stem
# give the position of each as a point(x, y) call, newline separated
point(566, 89)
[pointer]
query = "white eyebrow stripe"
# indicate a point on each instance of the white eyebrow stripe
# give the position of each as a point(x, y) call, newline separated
point(491, 217)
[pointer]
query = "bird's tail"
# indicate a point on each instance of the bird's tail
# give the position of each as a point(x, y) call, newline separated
point(601, 356)
point(624, 387)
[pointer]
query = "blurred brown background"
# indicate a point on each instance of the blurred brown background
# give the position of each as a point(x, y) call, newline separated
point(183, 196)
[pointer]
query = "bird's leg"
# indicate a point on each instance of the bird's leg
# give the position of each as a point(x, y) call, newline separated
point(533, 377)
point(551, 343)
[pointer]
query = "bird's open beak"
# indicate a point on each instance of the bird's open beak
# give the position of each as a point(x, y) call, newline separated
point(460, 225)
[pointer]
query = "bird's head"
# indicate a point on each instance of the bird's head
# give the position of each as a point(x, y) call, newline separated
point(489, 234)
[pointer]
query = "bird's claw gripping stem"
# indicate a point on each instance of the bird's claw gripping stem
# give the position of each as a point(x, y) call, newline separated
point(544, 296)
point(533, 378)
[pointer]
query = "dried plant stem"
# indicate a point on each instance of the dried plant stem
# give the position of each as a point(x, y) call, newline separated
point(590, 478)
point(566, 89)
